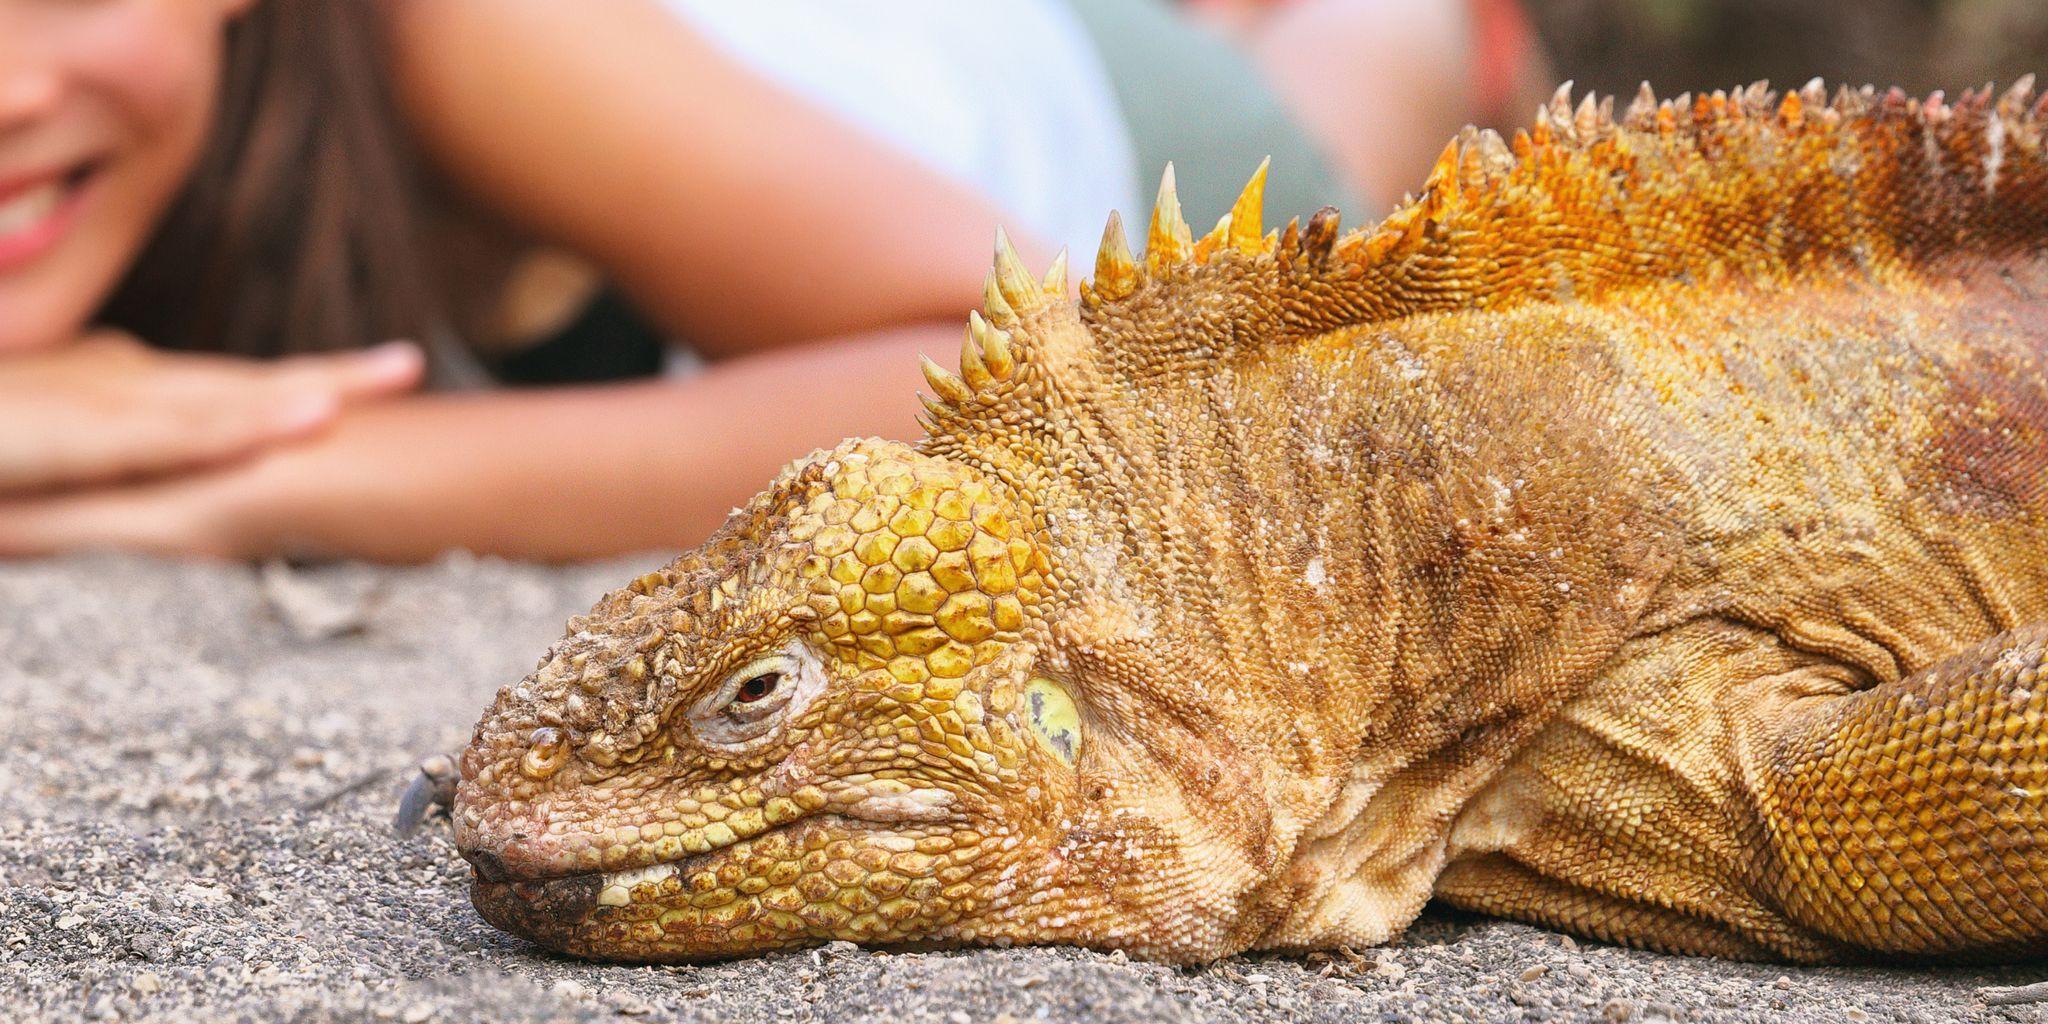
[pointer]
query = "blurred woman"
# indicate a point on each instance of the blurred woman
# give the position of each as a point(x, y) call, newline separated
point(215, 213)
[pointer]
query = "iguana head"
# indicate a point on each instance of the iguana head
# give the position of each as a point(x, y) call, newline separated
point(822, 724)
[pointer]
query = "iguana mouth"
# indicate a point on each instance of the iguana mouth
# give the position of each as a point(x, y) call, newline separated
point(570, 898)
point(490, 868)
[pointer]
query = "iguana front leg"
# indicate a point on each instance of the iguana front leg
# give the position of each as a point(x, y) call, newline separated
point(1719, 792)
point(1912, 818)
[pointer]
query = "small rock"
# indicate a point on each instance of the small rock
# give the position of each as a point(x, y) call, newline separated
point(627, 1006)
point(312, 611)
point(1782, 982)
point(1856, 1013)
point(69, 921)
point(146, 983)
point(841, 947)
point(417, 1013)
point(1534, 972)
point(960, 1017)
point(1569, 944)
point(1618, 1010)
point(1387, 967)
point(569, 989)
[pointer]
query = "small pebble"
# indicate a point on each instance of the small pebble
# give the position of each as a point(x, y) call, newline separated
point(1782, 982)
point(69, 921)
point(147, 983)
point(1618, 1010)
point(1387, 967)
point(417, 1013)
point(1535, 972)
point(569, 988)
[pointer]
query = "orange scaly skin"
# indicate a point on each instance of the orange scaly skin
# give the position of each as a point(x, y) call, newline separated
point(1644, 533)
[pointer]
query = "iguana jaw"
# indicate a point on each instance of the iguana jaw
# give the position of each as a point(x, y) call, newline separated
point(720, 903)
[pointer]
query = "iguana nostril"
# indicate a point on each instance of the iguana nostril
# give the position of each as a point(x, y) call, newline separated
point(489, 866)
point(546, 749)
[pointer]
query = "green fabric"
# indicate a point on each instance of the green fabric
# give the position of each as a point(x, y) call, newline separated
point(1193, 98)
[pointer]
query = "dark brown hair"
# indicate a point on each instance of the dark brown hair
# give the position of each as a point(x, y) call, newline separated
point(299, 229)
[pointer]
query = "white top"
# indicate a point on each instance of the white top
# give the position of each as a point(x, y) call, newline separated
point(1007, 96)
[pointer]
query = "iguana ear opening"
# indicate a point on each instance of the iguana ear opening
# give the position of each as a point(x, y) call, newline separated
point(1053, 718)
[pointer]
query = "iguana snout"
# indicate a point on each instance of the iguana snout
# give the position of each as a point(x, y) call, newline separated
point(825, 723)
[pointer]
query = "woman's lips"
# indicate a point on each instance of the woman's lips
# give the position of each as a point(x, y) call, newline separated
point(35, 214)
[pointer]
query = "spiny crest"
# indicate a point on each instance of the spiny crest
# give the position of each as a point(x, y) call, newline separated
point(1583, 205)
point(988, 361)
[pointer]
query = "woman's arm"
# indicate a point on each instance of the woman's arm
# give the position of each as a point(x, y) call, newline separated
point(734, 213)
point(556, 474)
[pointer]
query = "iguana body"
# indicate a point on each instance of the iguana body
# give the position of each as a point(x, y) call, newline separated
point(1644, 533)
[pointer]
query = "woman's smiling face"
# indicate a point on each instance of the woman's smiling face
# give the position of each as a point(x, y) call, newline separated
point(104, 107)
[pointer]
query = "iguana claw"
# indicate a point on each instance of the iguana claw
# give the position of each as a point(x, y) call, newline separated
point(433, 787)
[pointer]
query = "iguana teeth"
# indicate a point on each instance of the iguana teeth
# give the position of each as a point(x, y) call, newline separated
point(1247, 216)
point(619, 885)
point(1013, 282)
point(1116, 273)
point(1168, 241)
point(947, 386)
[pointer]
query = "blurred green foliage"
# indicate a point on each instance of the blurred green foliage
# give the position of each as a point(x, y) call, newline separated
point(1678, 45)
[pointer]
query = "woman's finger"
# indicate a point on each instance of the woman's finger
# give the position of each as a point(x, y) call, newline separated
point(161, 517)
point(388, 369)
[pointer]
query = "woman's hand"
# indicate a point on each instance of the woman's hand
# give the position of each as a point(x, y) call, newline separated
point(554, 473)
point(107, 409)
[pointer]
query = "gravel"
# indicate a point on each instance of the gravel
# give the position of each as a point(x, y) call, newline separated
point(198, 765)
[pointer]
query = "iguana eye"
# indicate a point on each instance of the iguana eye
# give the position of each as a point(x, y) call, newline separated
point(758, 687)
point(753, 701)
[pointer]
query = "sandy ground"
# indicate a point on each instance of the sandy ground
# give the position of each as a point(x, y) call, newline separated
point(197, 765)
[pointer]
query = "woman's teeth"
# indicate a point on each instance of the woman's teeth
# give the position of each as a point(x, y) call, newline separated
point(30, 208)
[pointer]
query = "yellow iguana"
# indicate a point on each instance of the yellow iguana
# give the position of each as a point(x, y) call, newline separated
point(1643, 533)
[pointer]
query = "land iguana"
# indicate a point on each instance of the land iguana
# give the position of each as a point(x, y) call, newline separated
point(1642, 533)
